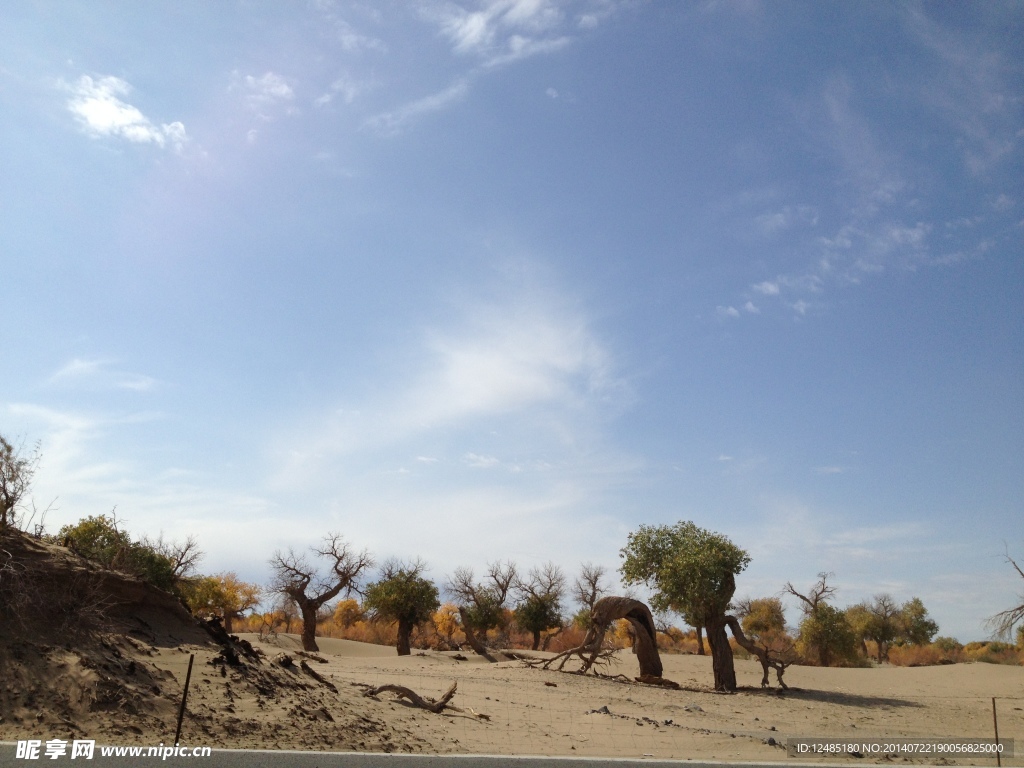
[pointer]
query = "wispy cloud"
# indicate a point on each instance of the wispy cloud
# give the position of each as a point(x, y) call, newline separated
point(101, 374)
point(490, 34)
point(499, 31)
point(100, 110)
point(268, 95)
point(973, 88)
point(875, 232)
point(392, 122)
point(528, 366)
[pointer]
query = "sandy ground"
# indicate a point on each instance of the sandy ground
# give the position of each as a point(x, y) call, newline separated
point(126, 690)
point(87, 653)
point(542, 712)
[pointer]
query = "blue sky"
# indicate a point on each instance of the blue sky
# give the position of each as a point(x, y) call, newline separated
point(506, 279)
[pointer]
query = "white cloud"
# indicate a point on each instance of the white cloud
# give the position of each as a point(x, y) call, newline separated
point(727, 311)
point(751, 308)
point(528, 364)
point(789, 216)
point(973, 88)
point(499, 28)
point(268, 88)
point(393, 121)
point(482, 462)
point(100, 111)
point(768, 288)
point(100, 374)
point(1003, 203)
point(346, 88)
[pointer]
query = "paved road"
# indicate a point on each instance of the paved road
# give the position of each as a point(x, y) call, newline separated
point(236, 758)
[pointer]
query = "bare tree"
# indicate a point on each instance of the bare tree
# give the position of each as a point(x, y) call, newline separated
point(184, 556)
point(1002, 624)
point(588, 588)
point(16, 472)
point(818, 593)
point(309, 587)
point(482, 604)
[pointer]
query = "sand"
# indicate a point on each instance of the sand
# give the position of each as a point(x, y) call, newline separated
point(121, 683)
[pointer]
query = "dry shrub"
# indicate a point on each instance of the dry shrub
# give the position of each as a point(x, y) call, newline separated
point(38, 597)
point(570, 637)
point(994, 653)
point(674, 640)
point(923, 655)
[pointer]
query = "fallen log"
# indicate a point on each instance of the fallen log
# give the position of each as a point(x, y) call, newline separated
point(414, 698)
point(424, 703)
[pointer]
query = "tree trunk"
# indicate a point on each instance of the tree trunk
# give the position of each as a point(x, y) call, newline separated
point(404, 631)
point(721, 656)
point(228, 619)
point(478, 647)
point(646, 650)
point(700, 640)
point(309, 628)
point(536, 639)
point(608, 609)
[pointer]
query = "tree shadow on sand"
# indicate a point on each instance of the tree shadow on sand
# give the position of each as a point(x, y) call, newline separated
point(834, 697)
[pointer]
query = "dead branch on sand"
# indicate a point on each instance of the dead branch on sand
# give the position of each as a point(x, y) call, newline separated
point(317, 676)
point(424, 703)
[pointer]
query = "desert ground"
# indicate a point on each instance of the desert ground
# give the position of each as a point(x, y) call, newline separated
point(90, 654)
point(509, 708)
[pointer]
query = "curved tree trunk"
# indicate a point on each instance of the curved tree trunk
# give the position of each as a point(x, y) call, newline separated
point(404, 632)
point(721, 655)
point(763, 654)
point(608, 609)
point(536, 639)
point(478, 647)
point(700, 640)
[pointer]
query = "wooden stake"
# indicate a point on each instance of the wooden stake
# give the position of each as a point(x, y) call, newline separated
point(184, 696)
point(995, 726)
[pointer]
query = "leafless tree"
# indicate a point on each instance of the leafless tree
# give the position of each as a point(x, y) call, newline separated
point(310, 587)
point(588, 587)
point(16, 472)
point(818, 593)
point(184, 555)
point(1002, 624)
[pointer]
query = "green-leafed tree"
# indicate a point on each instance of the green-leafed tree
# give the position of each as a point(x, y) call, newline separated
point(826, 636)
point(761, 616)
point(859, 618)
point(482, 604)
point(402, 594)
point(540, 601)
point(691, 571)
point(883, 627)
point(102, 540)
point(914, 625)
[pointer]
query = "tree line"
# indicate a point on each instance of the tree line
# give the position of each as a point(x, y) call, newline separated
point(689, 571)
